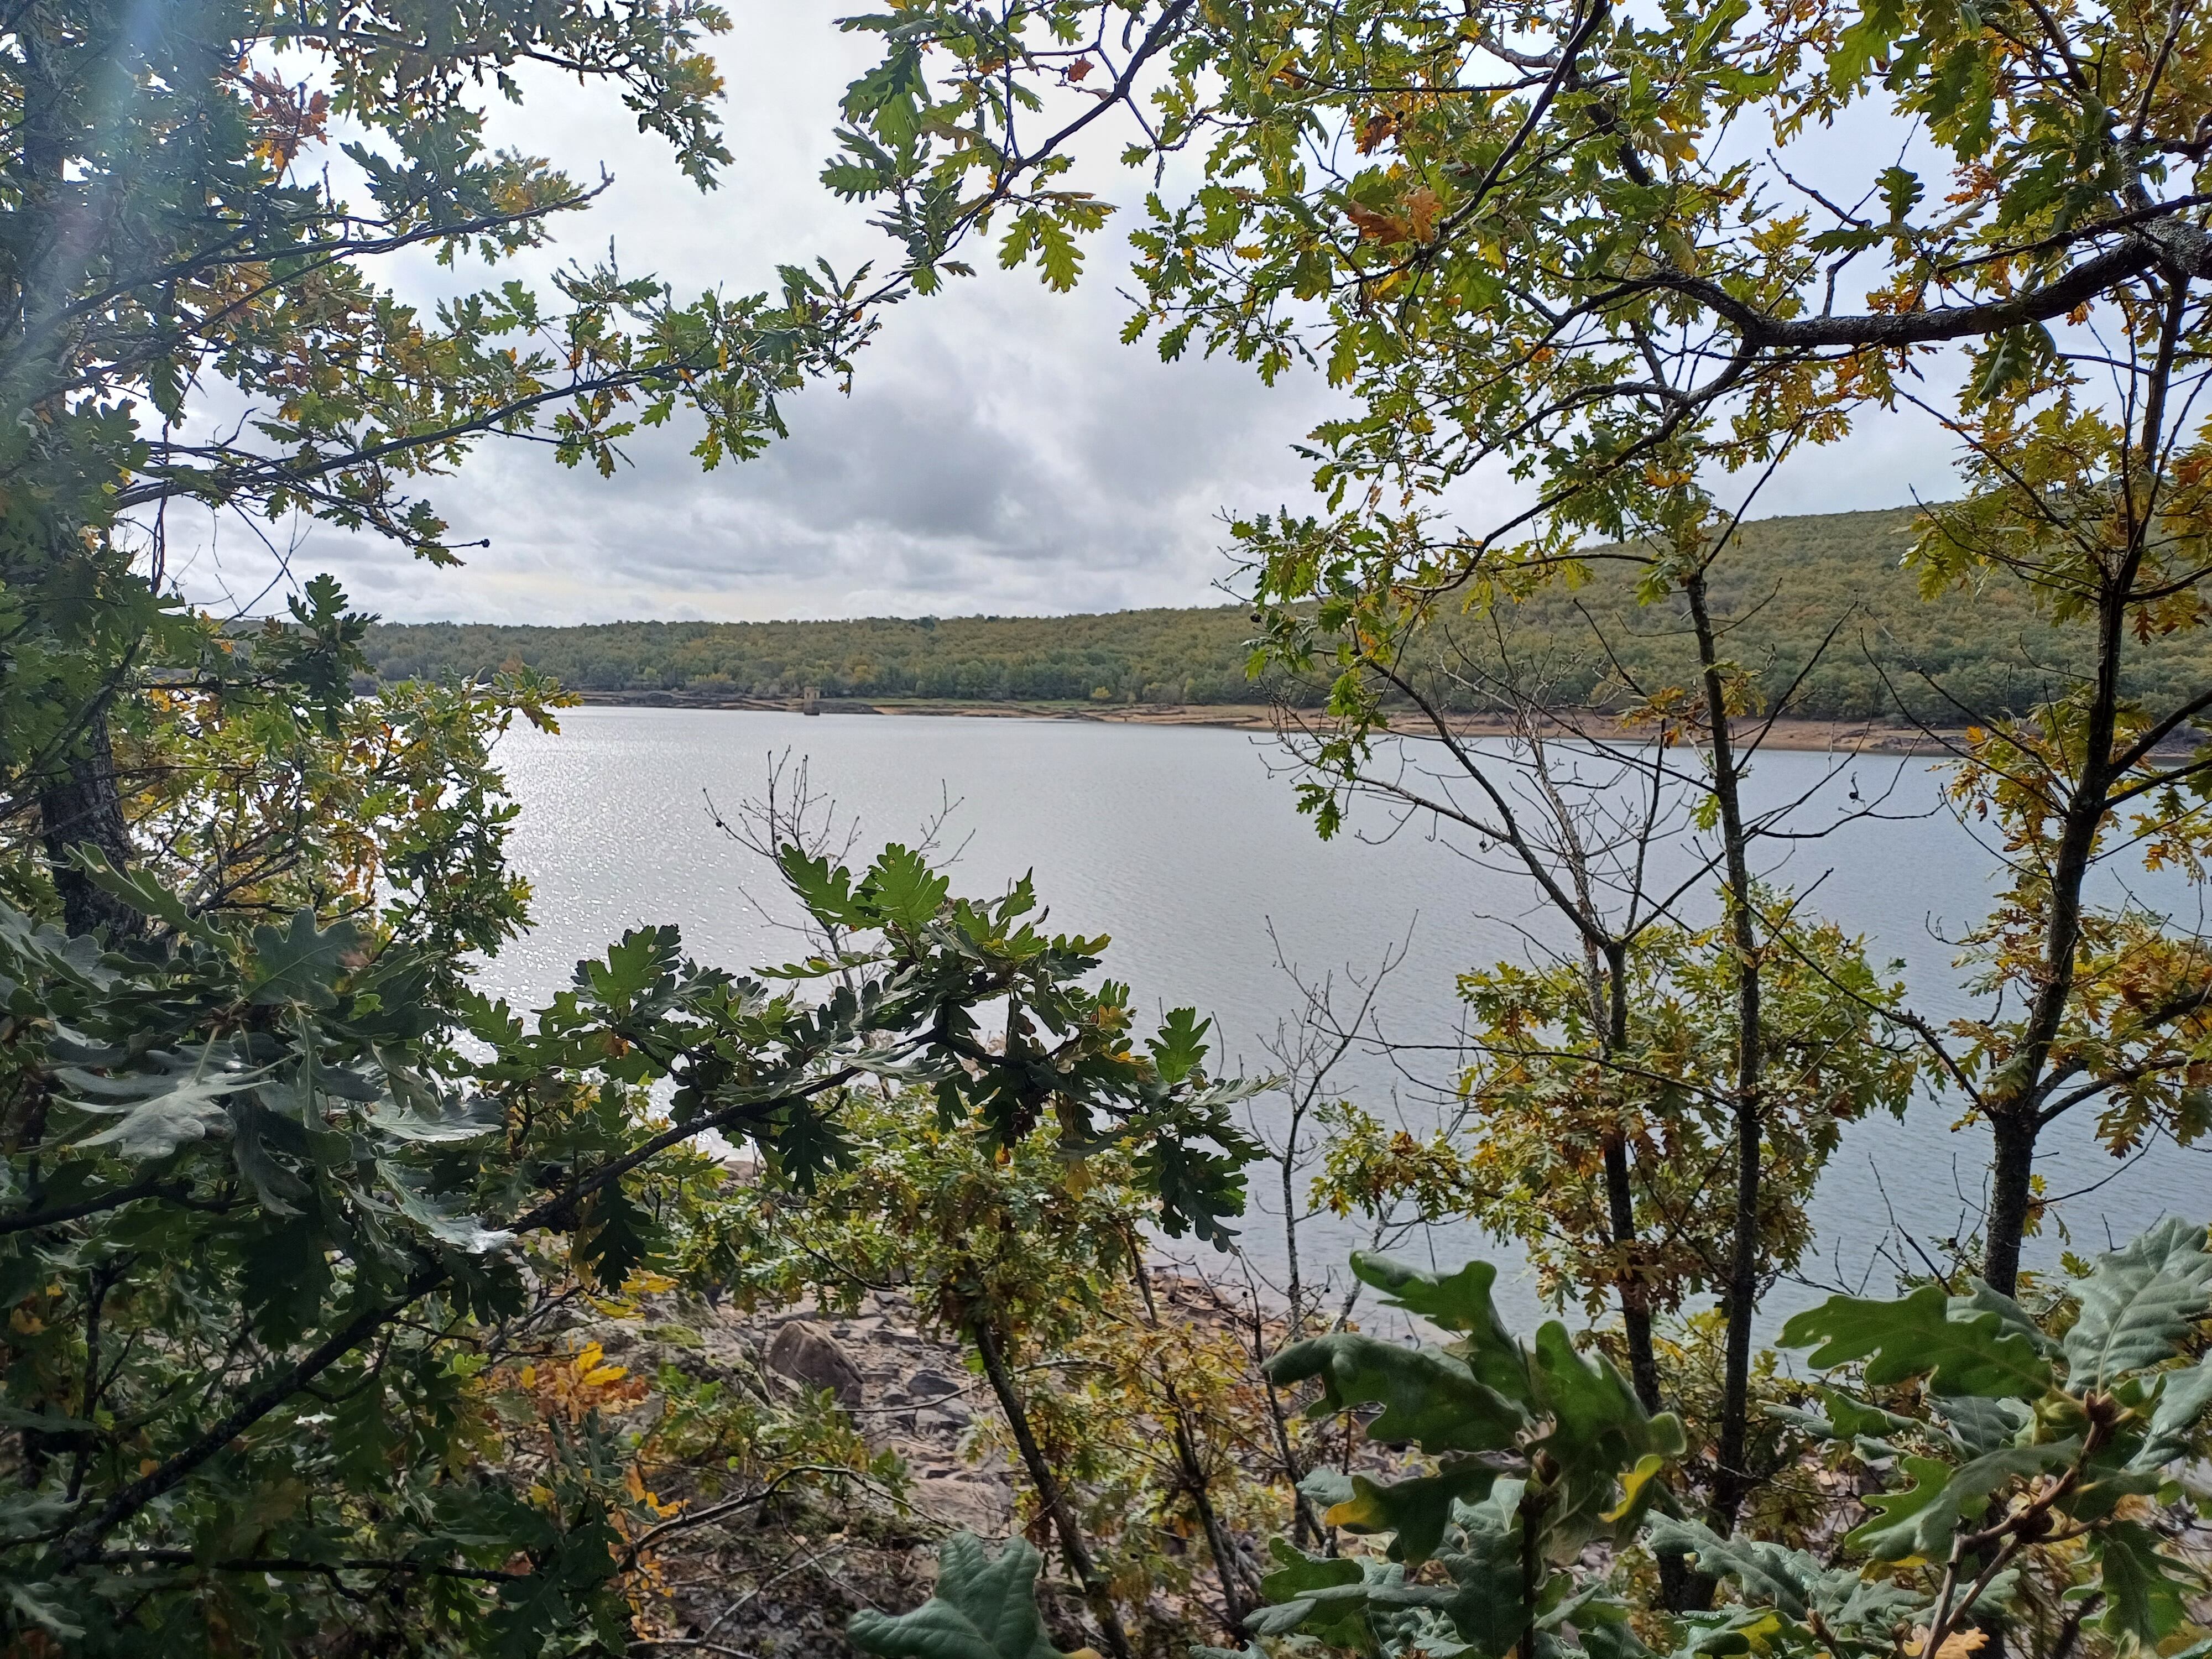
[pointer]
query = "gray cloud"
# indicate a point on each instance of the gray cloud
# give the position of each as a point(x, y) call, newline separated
point(1000, 452)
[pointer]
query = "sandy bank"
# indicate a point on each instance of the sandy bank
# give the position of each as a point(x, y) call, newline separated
point(1843, 737)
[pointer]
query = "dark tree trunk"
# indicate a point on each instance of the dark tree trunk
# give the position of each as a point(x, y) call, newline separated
point(2011, 1178)
point(1050, 1496)
point(1620, 1193)
point(1732, 1482)
point(84, 807)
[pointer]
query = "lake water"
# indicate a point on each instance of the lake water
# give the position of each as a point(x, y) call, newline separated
point(1184, 844)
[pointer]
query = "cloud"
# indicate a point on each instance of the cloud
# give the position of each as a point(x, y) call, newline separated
point(1001, 450)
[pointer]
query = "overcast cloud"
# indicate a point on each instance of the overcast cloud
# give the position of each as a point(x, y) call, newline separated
point(1001, 452)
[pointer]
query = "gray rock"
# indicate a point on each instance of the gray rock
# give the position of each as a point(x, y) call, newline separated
point(928, 1385)
point(985, 1510)
point(806, 1353)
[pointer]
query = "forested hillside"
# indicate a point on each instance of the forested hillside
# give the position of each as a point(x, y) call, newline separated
point(1796, 583)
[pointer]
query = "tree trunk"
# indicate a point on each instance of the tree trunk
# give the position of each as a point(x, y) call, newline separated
point(1682, 1589)
point(1635, 1311)
point(2011, 1178)
point(1620, 1194)
point(84, 807)
point(2016, 1117)
point(1733, 1481)
point(1228, 1565)
point(1096, 1593)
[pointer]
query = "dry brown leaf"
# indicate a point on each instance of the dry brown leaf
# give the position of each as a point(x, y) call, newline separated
point(1379, 227)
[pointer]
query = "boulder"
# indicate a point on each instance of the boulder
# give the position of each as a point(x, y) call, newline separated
point(806, 1353)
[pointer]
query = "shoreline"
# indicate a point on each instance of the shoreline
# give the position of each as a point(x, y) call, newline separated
point(1839, 737)
point(1802, 735)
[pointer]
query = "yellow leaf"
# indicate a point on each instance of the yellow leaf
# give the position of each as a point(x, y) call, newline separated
point(1632, 1485)
point(605, 1374)
point(1959, 1645)
point(1422, 208)
point(530, 1376)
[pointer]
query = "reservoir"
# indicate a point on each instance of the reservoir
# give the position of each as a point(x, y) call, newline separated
point(1184, 844)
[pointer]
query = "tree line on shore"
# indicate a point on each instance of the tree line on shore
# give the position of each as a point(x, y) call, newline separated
point(1793, 582)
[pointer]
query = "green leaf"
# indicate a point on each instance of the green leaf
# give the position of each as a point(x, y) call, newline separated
point(15, 1417)
point(137, 889)
point(301, 963)
point(48, 1615)
point(2182, 1401)
point(1890, 1535)
point(448, 1119)
point(1921, 1519)
point(1455, 1301)
point(1327, 1597)
point(1791, 1581)
point(1855, 1418)
point(985, 1608)
point(1298, 1573)
point(1980, 1425)
point(1429, 1397)
point(1591, 1403)
point(1487, 1607)
point(824, 888)
point(1179, 1045)
point(2142, 1599)
point(2137, 1304)
point(444, 1222)
point(1601, 1439)
point(901, 889)
point(1959, 1350)
point(158, 1111)
point(2011, 1316)
point(1900, 193)
point(1417, 1510)
point(1767, 1573)
point(2010, 361)
point(636, 966)
point(256, 1135)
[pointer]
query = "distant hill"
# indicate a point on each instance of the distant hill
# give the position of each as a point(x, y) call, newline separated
point(1792, 583)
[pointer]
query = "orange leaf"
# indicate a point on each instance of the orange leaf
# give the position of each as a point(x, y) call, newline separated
point(1379, 227)
point(1422, 208)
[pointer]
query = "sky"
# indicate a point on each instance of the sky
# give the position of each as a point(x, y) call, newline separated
point(1000, 452)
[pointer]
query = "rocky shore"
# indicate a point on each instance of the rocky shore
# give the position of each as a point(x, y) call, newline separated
point(763, 1584)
